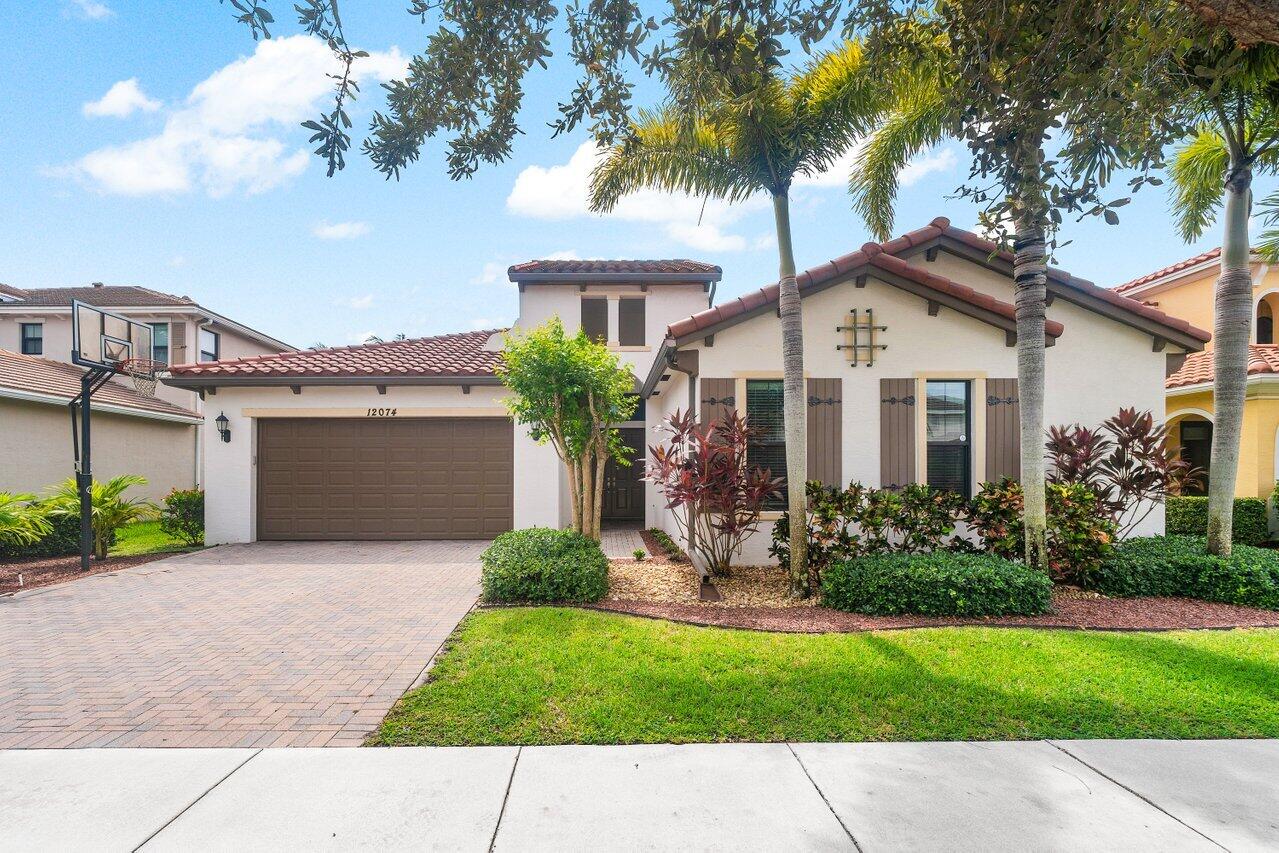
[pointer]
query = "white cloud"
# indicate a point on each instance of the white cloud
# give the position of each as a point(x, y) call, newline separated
point(227, 136)
point(178, 261)
point(921, 167)
point(122, 99)
point(357, 303)
point(494, 272)
point(341, 230)
point(837, 174)
point(480, 323)
point(559, 192)
point(92, 10)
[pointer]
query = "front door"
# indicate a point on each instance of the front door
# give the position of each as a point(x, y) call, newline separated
point(623, 488)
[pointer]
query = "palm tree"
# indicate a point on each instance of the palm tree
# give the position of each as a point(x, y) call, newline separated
point(754, 132)
point(22, 520)
point(1237, 136)
point(111, 509)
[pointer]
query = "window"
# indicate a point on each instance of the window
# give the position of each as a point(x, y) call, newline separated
point(767, 448)
point(32, 338)
point(949, 453)
point(595, 319)
point(210, 345)
point(630, 322)
point(160, 342)
point(1265, 323)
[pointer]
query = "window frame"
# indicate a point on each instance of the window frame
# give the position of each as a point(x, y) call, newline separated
point(777, 502)
point(24, 339)
point(643, 322)
point(155, 335)
point(602, 337)
point(217, 344)
point(966, 441)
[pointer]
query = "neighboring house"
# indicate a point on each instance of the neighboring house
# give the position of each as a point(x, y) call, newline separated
point(132, 433)
point(909, 349)
point(1186, 290)
point(37, 322)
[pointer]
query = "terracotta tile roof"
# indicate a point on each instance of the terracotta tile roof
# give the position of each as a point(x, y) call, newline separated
point(1200, 258)
point(461, 355)
point(1197, 369)
point(870, 255)
point(27, 373)
point(104, 296)
point(9, 290)
point(676, 266)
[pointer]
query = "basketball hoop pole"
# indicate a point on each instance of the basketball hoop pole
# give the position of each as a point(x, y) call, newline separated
point(81, 437)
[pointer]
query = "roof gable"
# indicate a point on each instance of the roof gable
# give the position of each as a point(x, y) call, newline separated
point(1140, 282)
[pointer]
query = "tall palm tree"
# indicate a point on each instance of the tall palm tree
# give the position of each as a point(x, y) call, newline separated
point(754, 132)
point(1237, 136)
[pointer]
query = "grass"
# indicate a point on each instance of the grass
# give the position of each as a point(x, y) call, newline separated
point(145, 537)
point(554, 675)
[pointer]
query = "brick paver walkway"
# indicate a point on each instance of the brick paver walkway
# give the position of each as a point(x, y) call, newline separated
point(269, 644)
point(620, 543)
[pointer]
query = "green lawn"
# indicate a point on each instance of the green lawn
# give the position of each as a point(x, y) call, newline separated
point(145, 537)
point(552, 675)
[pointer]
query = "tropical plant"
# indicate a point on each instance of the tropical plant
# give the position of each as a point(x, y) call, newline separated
point(570, 391)
point(23, 521)
point(1232, 97)
point(111, 510)
point(714, 495)
point(752, 132)
point(183, 515)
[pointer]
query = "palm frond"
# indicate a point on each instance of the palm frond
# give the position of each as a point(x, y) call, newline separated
point(1267, 243)
point(837, 100)
point(1198, 172)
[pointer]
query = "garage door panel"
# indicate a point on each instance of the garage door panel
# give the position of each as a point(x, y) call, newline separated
point(424, 478)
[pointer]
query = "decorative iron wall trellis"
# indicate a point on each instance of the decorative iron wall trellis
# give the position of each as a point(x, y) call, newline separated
point(863, 337)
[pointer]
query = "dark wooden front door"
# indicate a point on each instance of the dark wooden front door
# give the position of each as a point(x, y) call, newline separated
point(623, 488)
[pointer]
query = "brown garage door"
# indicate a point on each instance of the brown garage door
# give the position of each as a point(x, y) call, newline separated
point(419, 478)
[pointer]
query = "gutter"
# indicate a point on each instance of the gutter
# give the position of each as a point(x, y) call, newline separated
point(115, 409)
point(661, 364)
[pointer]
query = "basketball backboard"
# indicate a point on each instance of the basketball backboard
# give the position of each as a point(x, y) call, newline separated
point(105, 340)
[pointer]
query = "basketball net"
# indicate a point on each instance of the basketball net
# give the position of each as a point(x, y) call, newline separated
point(143, 373)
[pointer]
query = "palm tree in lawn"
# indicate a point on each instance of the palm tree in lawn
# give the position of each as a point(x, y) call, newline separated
point(1236, 138)
point(752, 132)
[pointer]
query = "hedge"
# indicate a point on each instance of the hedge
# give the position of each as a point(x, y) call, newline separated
point(940, 583)
point(1188, 516)
point(1181, 566)
point(540, 564)
point(63, 540)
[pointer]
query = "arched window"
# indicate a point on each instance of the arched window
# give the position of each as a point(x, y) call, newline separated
point(1265, 323)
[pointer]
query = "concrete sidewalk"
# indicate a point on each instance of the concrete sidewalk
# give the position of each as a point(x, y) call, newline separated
point(1034, 795)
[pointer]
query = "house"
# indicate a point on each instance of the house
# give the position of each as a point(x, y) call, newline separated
point(911, 361)
point(35, 342)
point(1186, 290)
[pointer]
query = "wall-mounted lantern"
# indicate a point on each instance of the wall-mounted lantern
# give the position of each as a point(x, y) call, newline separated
point(224, 427)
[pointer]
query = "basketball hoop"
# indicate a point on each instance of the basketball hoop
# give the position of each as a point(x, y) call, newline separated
point(143, 373)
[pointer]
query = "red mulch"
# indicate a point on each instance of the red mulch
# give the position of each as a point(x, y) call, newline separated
point(1070, 610)
point(55, 570)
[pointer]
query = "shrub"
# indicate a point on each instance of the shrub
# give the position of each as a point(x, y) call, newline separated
point(941, 583)
point(544, 565)
point(61, 540)
point(111, 510)
point(23, 521)
point(1188, 516)
point(673, 551)
point(1182, 566)
point(183, 515)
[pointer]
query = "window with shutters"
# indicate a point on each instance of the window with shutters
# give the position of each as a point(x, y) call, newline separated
point(767, 448)
point(630, 322)
point(595, 318)
point(948, 420)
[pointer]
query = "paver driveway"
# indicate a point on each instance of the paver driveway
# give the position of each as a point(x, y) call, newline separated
point(269, 644)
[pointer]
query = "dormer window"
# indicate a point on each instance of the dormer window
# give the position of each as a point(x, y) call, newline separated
point(595, 318)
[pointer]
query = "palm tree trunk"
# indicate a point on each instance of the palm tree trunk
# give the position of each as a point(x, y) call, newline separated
point(1231, 330)
point(1030, 293)
point(794, 401)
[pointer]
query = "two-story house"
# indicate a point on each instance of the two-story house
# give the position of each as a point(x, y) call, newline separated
point(158, 438)
point(909, 348)
point(1186, 290)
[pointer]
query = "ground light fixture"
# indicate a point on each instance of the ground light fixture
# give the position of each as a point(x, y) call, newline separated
point(224, 427)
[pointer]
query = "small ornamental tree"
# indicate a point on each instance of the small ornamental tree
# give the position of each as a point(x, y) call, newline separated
point(715, 495)
point(570, 391)
point(111, 510)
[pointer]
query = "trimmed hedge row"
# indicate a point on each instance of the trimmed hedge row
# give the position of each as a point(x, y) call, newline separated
point(540, 564)
point(1188, 516)
point(1181, 566)
point(940, 583)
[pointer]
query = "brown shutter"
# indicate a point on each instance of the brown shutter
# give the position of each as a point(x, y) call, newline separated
point(630, 322)
point(716, 399)
point(1003, 430)
point(896, 433)
point(595, 319)
point(825, 431)
point(178, 342)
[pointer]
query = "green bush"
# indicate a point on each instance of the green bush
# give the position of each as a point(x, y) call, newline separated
point(940, 583)
point(1182, 566)
point(183, 515)
point(62, 540)
point(1188, 516)
point(544, 565)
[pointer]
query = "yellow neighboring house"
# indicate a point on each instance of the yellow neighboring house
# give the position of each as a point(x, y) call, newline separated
point(1185, 290)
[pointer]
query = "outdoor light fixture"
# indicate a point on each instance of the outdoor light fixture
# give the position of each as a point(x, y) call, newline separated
point(224, 427)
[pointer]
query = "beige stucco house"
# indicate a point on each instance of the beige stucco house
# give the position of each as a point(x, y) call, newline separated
point(909, 349)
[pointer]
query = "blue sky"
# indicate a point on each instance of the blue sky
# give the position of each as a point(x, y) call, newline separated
point(156, 144)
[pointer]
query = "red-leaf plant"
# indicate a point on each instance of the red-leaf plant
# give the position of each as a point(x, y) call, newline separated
point(1126, 462)
point(715, 496)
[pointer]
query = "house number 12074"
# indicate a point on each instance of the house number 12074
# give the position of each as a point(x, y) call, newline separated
point(382, 413)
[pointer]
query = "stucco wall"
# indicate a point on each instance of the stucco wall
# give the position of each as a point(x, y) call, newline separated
point(36, 451)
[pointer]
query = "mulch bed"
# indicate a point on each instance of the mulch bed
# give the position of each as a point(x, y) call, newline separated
point(757, 598)
point(55, 570)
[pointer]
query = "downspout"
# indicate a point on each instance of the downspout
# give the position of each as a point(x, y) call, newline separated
point(672, 359)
